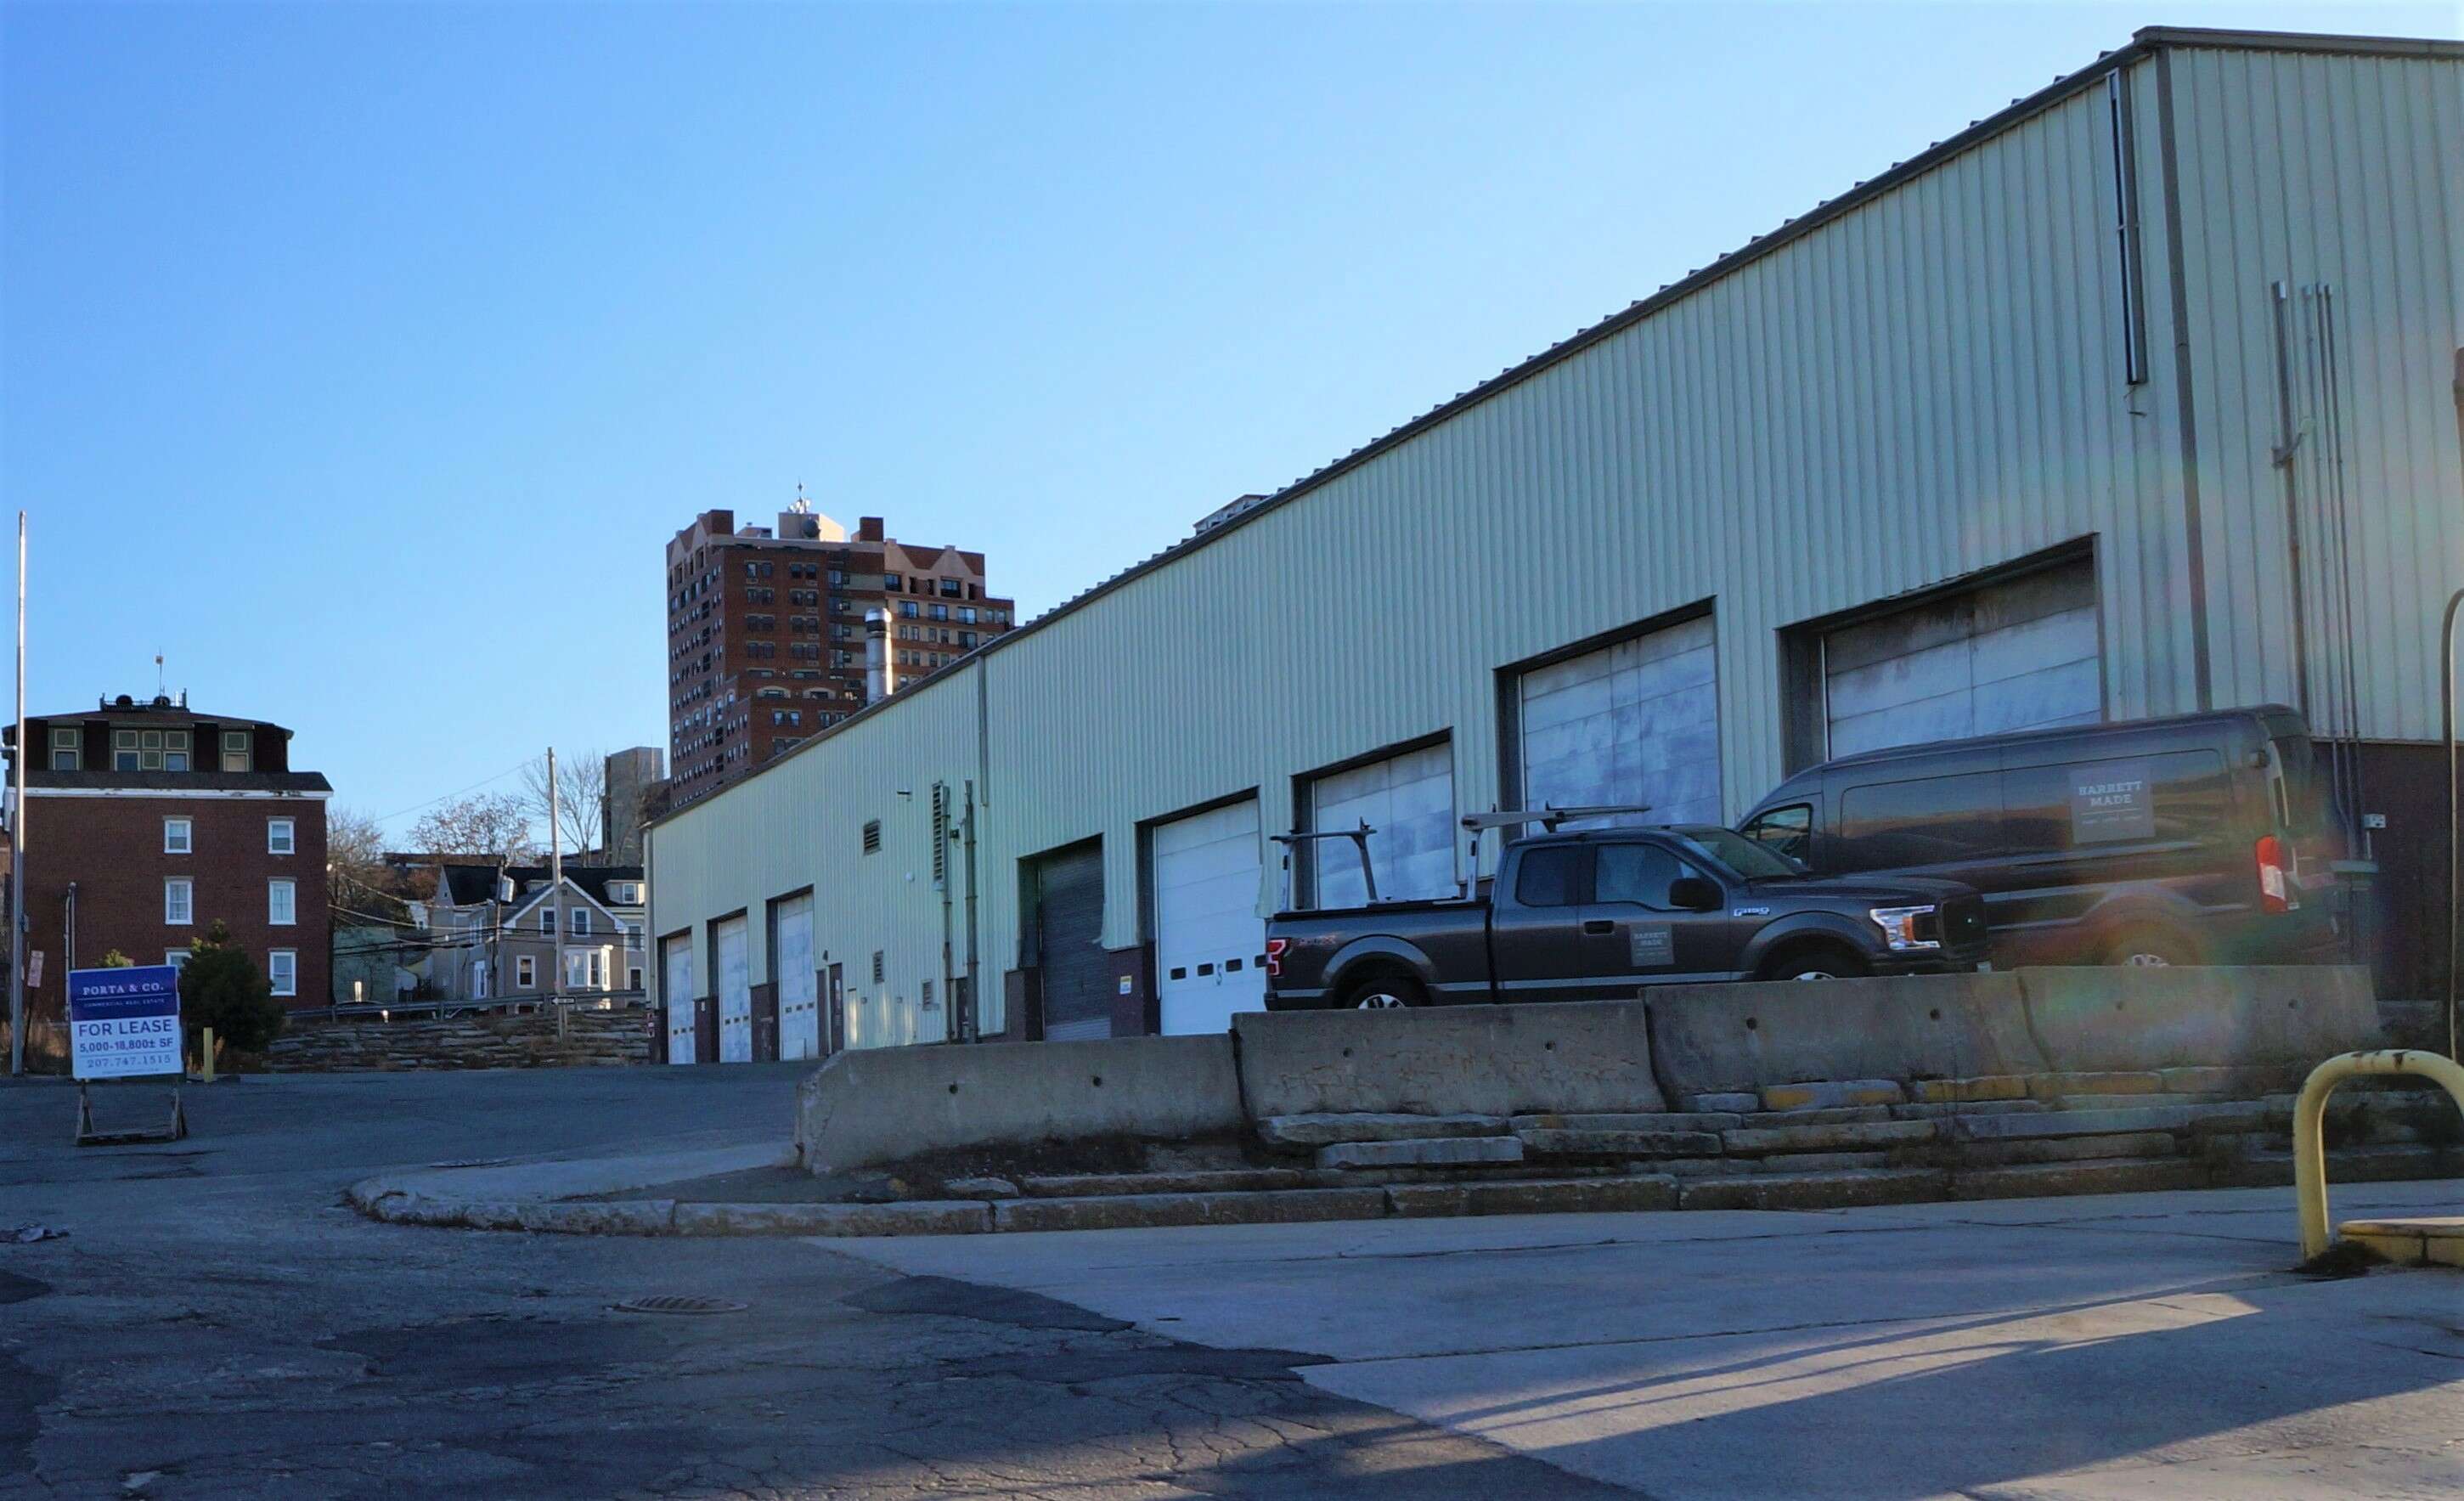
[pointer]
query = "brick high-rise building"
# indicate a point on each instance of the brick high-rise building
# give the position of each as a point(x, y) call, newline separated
point(765, 632)
point(148, 822)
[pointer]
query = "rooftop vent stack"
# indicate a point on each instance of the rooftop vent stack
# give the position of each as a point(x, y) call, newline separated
point(880, 673)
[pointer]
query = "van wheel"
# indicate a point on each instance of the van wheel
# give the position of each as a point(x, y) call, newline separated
point(2150, 945)
point(1386, 993)
point(1816, 961)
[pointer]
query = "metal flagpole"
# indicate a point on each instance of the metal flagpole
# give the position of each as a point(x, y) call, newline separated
point(17, 838)
point(556, 889)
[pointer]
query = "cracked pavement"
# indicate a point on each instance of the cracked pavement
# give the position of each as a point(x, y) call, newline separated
point(216, 1323)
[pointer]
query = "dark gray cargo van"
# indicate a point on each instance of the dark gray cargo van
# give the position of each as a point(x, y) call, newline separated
point(2204, 839)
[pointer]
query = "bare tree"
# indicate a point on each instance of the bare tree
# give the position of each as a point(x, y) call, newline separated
point(491, 824)
point(358, 877)
point(581, 798)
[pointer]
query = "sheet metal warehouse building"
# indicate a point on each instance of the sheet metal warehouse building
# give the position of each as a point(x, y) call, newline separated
point(2137, 398)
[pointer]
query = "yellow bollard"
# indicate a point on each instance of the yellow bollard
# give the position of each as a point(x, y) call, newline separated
point(2310, 1117)
point(206, 1071)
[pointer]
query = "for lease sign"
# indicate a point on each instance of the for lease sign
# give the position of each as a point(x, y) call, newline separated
point(124, 1023)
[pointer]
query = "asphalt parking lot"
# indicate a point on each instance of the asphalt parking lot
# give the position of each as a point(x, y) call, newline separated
point(215, 1322)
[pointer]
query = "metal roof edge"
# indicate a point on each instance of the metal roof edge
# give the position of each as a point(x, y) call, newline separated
point(2326, 43)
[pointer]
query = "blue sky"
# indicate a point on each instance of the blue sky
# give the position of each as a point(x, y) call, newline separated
point(363, 357)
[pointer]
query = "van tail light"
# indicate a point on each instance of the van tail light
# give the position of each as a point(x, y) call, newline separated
point(1275, 957)
point(2275, 875)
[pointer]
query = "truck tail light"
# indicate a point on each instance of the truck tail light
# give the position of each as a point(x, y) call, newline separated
point(2274, 867)
point(1275, 957)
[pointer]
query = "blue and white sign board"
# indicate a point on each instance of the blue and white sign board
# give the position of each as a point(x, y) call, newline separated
point(124, 1023)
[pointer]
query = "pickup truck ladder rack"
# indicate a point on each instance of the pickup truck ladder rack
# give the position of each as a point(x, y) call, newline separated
point(1359, 838)
point(1549, 817)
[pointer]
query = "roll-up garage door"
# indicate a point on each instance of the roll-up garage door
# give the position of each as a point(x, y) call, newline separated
point(1208, 934)
point(735, 992)
point(1410, 801)
point(677, 996)
point(2016, 655)
point(791, 968)
point(1633, 724)
point(1078, 981)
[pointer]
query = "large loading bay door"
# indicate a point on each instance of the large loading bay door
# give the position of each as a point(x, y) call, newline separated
point(1209, 940)
point(1637, 722)
point(1078, 981)
point(1409, 800)
point(2015, 655)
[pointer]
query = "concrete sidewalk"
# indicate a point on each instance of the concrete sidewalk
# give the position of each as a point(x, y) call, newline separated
point(2131, 1345)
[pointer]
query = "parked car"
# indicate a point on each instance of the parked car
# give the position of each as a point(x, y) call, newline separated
point(1598, 914)
point(2201, 839)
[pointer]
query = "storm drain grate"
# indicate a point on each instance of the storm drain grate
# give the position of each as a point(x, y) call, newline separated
point(675, 1303)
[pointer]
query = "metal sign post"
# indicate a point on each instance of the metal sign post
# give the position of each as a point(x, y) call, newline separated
point(124, 1023)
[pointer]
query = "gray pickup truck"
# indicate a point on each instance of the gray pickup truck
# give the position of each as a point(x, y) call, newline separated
point(1601, 913)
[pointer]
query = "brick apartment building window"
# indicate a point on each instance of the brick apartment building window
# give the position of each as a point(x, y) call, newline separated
point(67, 747)
point(176, 834)
point(838, 576)
point(179, 902)
point(906, 610)
point(525, 972)
point(282, 901)
point(966, 614)
point(175, 958)
point(283, 967)
point(949, 588)
point(889, 583)
point(236, 756)
point(281, 836)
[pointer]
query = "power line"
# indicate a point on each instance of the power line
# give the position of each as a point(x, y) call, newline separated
point(455, 793)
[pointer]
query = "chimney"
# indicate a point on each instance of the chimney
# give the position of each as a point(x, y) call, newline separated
point(880, 673)
point(868, 529)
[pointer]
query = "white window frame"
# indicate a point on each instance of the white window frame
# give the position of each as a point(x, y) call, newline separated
point(175, 958)
point(184, 913)
point(288, 841)
point(69, 739)
point(581, 922)
point(525, 972)
point(186, 840)
point(281, 903)
point(237, 744)
point(547, 920)
point(282, 969)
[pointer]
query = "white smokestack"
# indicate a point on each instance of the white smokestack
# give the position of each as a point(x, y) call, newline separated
point(880, 673)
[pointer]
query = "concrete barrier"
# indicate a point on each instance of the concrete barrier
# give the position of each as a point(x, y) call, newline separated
point(2092, 1020)
point(1461, 1060)
point(1720, 1039)
point(880, 1105)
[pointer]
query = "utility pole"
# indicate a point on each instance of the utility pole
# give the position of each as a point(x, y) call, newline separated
point(18, 839)
point(556, 889)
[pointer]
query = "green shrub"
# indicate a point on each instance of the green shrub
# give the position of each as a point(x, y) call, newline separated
point(221, 987)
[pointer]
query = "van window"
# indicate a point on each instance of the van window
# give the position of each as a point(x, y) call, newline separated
point(2302, 805)
point(1924, 822)
point(1785, 831)
point(1550, 876)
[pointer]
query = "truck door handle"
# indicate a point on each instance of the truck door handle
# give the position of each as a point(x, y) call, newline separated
point(1599, 925)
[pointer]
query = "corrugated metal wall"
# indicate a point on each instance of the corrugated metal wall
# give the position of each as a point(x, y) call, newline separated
point(1930, 385)
point(2346, 171)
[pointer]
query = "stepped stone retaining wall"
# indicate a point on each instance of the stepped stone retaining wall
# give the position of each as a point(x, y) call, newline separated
point(1918, 1074)
point(592, 1038)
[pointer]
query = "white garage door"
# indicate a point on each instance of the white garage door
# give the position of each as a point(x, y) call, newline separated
point(676, 995)
point(735, 994)
point(1638, 723)
point(1410, 801)
point(1208, 934)
point(791, 966)
point(2014, 656)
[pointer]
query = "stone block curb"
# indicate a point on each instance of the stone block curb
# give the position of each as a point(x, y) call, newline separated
point(1142, 1211)
point(1620, 1143)
point(1423, 1152)
point(918, 1217)
point(1536, 1195)
point(1323, 1130)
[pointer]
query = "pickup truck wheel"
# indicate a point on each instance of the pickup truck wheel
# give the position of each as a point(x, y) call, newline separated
point(1386, 993)
point(1816, 961)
